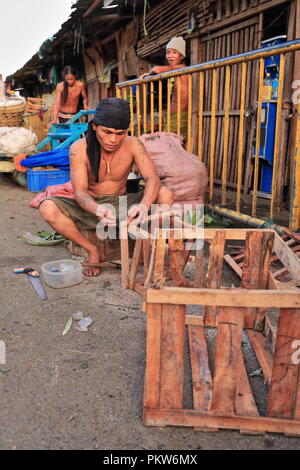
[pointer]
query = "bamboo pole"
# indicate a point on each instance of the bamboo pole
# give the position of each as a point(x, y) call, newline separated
point(152, 107)
point(144, 108)
point(190, 101)
point(258, 121)
point(200, 122)
point(160, 112)
point(226, 130)
point(179, 106)
point(277, 136)
point(212, 134)
point(138, 110)
point(241, 137)
point(118, 92)
point(131, 112)
point(168, 104)
point(294, 223)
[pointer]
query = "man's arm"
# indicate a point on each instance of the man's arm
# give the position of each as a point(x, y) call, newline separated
point(148, 172)
point(85, 97)
point(150, 176)
point(161, 69)
point(57, 103)
point(79, 179)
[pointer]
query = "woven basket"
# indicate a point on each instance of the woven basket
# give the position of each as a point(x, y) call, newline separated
point(12, 116)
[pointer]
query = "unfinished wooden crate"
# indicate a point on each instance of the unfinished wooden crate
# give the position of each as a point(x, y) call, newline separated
point(221, 387)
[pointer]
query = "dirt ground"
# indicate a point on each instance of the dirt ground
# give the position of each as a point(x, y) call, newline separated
point(83, 390)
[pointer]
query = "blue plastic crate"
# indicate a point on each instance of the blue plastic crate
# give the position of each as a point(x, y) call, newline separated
point(39, 180)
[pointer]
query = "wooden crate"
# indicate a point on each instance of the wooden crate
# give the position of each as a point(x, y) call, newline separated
point(223, 396)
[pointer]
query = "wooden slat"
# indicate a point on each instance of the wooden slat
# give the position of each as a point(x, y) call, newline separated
point(226, 297)
point(285, 373)
point(158, 274)
point(199, 267)
point(151, 266)
point(135, 262)
point(201, 375)
point(244, 401)
point(232, 263)
point(172, 356)
point(214, 271)
point(177, 260)
point(195, 418)
point(146, 256)
point(153, 352)
point(256, 266)
point(227, 351)
point(262, 353)
point(270, 333)
point(124, 253)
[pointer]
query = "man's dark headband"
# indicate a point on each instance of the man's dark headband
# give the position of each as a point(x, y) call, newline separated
point(112, 113)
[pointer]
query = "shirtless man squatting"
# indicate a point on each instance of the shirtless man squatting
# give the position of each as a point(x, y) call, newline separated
point(99, 166)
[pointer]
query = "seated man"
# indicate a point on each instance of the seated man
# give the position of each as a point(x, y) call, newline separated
point(99, 166)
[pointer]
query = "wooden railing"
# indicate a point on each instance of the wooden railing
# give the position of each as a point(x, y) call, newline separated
point(149, 114)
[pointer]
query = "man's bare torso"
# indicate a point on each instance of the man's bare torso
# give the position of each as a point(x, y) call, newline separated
point(121, 162)
point(183, 94)
point(74, 93)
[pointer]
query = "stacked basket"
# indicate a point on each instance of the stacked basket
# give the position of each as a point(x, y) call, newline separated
point(11, 112)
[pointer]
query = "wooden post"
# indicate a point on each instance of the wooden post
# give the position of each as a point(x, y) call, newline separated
point(256, 264)
point(201, 375)
point(294, 142)
point(172, 356)
point(214, 271)
point(227, 352)
point(195, 58)
point(153, 351)
point(285, 385)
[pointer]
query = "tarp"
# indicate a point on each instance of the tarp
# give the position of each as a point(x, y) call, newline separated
point(58, 158)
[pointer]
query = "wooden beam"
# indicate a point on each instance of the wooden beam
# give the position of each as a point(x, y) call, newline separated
point(214, 272)
point(285, 373)
point(227, 352)
point(172, 356)
point(153, 341)
point(201, 375)
point(193, 418)
point(244, 401)
point(92, 7)
point(225, 297)
point(263, 355)
point(256, 264)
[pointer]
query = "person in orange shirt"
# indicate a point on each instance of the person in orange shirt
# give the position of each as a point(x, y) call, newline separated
point(68, 93)
point(175, 54)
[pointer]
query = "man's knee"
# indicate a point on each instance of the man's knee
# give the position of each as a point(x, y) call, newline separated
point(165, 196)
point(48, 210)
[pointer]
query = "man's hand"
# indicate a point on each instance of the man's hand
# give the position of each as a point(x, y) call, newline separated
point(106, 216)
point(141, 77)
point(138, 214)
